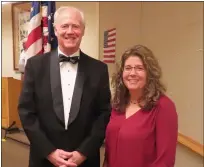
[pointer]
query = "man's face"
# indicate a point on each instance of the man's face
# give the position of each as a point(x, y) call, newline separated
point(69, 30)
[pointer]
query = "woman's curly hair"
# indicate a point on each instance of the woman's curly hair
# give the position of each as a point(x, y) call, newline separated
point(153, 88)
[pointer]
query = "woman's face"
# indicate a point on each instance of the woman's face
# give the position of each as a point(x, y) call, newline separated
point(134, 74)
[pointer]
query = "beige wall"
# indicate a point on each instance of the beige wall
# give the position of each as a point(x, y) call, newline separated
point(90, 42)
point(174, 31)
point(187, 158)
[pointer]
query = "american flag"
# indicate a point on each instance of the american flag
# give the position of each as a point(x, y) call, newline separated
point(41, 38)
point(49, 38)
point(109, 46)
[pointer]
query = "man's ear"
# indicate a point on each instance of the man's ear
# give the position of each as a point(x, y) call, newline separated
point(83, 31)
point(55, 30)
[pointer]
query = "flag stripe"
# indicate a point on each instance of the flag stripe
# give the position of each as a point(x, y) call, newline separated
point(44, 11)
point(45, 21)
point(33, 36)
point(108, 51)
point(109, 61)
point(35, 48)
point(39, 53)
point(109, 56)
point(35, 22)
point(111, 30)
point(110, 35)
point(111, 45)
point(111, 40)
point(109, 48)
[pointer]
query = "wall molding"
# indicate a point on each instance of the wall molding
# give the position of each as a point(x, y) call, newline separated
point(191, 144)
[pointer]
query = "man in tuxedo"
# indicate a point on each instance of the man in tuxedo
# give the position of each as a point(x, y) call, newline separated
point(64, 105)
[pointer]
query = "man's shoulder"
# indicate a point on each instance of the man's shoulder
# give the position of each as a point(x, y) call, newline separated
point(93, 61)
point(40, 57)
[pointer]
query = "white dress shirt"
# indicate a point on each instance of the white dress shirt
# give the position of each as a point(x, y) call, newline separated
point(68, 72)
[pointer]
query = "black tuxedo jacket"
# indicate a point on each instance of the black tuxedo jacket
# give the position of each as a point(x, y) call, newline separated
point(42, 114)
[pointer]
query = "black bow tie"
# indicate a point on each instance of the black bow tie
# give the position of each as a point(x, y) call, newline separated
point(73, 60)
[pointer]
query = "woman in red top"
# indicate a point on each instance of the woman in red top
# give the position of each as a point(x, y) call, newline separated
point(142, 131)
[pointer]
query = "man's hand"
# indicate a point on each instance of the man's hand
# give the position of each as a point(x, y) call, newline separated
point(77, 158)
point(57, 158)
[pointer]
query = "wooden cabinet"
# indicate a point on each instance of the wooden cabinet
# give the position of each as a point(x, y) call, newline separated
point(10, 93)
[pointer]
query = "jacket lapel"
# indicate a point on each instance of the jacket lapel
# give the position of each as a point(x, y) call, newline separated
point(56, 89)
point(78, 89)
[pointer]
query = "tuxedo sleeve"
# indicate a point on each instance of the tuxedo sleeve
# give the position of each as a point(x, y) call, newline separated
point(29, 116)
point(93, 142)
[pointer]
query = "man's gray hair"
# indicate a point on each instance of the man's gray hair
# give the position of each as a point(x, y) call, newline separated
point(63, 9)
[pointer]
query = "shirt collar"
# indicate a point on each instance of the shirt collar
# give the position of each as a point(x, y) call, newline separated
point(77, 53)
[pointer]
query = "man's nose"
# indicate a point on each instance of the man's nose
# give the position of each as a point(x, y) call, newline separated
point(70, 29)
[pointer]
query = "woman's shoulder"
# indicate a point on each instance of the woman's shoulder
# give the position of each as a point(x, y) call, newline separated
point(166, 106)
point(165, 100)
point(166, 110)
